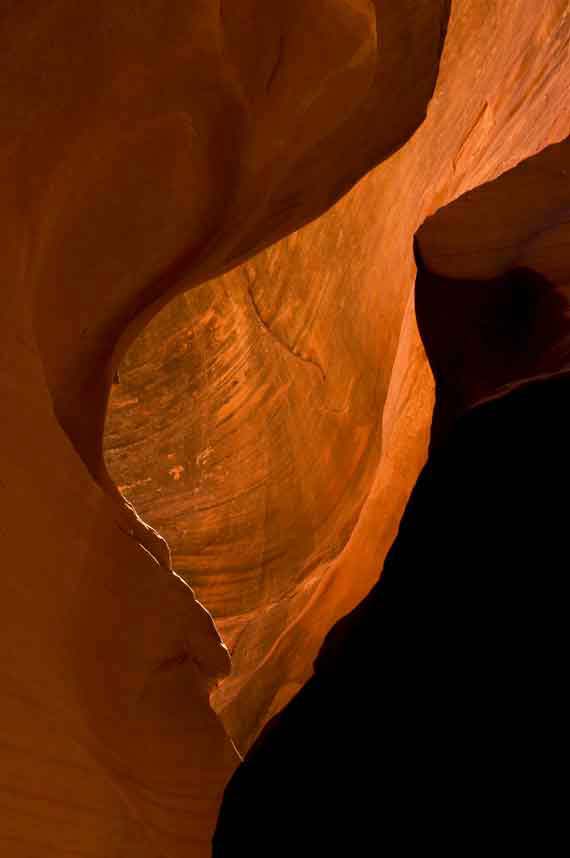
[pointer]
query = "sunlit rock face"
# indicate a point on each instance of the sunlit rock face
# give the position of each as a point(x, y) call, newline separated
point(146, 148)
point(409, 733)
point(271, 423)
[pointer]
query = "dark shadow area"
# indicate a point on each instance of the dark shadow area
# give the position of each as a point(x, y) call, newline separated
point(435, 719)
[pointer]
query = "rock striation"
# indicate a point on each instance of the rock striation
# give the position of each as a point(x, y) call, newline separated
point(143, 152)
point(158, 161)
point(272, 422)
point(436, 707)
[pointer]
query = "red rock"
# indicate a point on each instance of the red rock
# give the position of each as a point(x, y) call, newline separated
point(293, 488)
point(493, 295)
point(144, 152)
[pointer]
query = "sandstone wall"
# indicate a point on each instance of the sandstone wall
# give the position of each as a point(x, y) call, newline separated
point(147, 148)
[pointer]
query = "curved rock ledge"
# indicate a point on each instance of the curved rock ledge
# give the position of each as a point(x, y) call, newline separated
point(436, 707)
point(272, 423)
point(143, 153)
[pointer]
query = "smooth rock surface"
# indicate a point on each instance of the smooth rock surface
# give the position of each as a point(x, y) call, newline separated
point(147, 148)
point(436, 708)
point(493, 298)
point(142, 153)
point(272, 423)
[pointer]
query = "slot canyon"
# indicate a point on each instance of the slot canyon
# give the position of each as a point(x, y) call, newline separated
point(285, 338)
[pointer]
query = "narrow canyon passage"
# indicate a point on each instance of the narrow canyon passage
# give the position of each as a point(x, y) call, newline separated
point(211, 366)
point(271, 423)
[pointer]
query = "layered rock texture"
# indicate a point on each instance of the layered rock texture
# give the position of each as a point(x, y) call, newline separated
point(269, 423)
point(436, 707)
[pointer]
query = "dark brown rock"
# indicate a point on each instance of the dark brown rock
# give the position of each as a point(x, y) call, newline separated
point(436, 705)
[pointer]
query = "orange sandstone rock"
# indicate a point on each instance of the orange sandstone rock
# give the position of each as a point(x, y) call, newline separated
point(148, 148)
point(271, 423)
point(143, 152)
